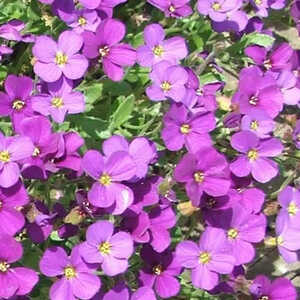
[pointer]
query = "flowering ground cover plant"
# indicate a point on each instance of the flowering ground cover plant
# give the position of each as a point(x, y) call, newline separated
point(149, 149)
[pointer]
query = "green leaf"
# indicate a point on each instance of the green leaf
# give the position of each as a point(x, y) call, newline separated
point(259, 39)
point(124, 110)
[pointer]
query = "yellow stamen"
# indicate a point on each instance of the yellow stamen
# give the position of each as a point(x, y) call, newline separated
point(4, 266)
point(157, 270)
point(70, 272)
point(57, 102)
point(158, 50)
point(82, 21)
point(36, 152)
point(292, 209)
point(267, 64)
point(199, 177)
point(185, 128)
point(254, 125)
point(166, 86)
point(18, 104)
point(61, 59)
point(4, 156)
point(105, 179)
point(216, 6)
point(258, 2)
point(104, 248)
point(232, 233)
point(252, 155)
point(171, 9)
point(204, 258)
point(104, 51)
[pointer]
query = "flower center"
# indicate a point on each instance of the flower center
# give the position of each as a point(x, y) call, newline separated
point(232, 233)
point(171, 9)
point(258, 2)
point(36, 152)
point(166, 86)
point(253, 100)
point(57, 102)
point(267, 64)
point(254, 125)
point(104, 51)
point(279, 240)
point(252, 155)
point(70, 272)
point(199, 176)
point(185, 128)
point(61, 59)
point(292, 209)
point(216, 6)
point(4, 266)
point(4, 156)
point(264, 298)
point(104, 248)
point(105, 179)
point(157, 270)
point(210, 203)
point(158, 50)
point(18, 104)
point(82, 21)
point(204, 257)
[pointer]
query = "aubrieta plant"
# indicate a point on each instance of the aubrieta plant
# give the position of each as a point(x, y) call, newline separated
point(149, 149)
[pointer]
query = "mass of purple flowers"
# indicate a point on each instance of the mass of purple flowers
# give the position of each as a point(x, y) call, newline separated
point(178, 194)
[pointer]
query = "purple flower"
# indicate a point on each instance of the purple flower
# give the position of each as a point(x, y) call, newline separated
point(276, 61)
point(54, 60)
point(182, 128)
point(105, 44)
point(118, 292)
point(14, 281)
point(11, 199)
point(168, 82)
point(289, 199)
point(258, 122)
point(160, 271)
point(12, 151)
point(112, 251)
point(109, 172)
point(76, 276)
point(173, 8)
point(208, 259)
point(287, 81)
point(280, 288)
point(140, 149)
point(254, 157)
point(59, 101)
point(143, 293)
point(258, 91)
point(236, 21)
point(157, 49)
point(204, 171)
point(296, 134)
point(16, 102)
point(287, 239)
point(242, 229)
point(38, 129)
point(96, 3)
point(217, 10)
point(85, 19)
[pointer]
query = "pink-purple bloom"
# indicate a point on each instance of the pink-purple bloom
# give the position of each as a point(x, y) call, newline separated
point(76, 277)
point(254, 158)
point(105, 45)
point(17, 281)
point(173, 8)
point(207, 259)
point(104, 247)
point(168, 82)
point(156, 48)
point(61, 58)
